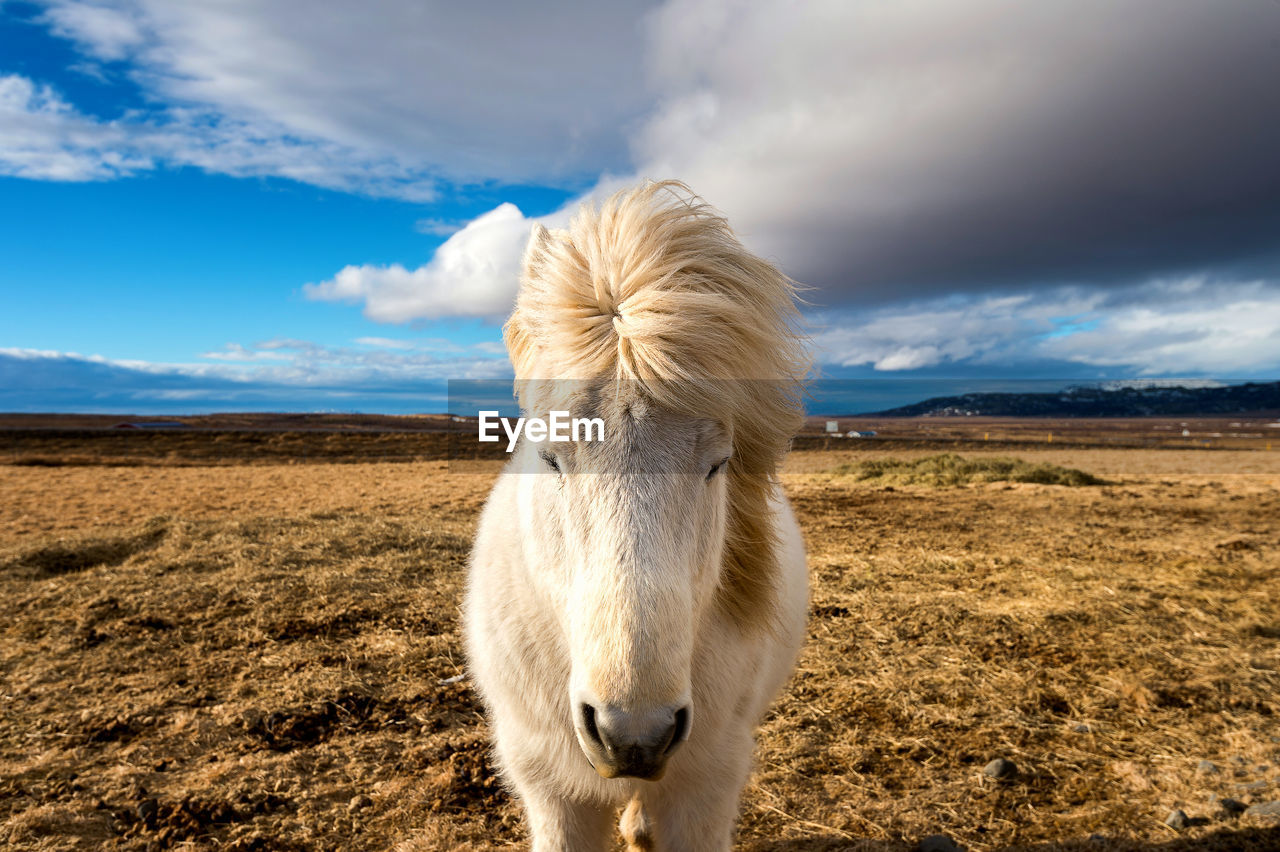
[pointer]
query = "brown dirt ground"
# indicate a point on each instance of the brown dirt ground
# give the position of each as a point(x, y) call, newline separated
point(258, 657)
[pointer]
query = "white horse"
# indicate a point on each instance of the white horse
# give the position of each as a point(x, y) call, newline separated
point(647, 593)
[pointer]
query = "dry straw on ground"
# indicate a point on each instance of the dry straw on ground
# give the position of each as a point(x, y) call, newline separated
point(952, 469)
point(266, 657)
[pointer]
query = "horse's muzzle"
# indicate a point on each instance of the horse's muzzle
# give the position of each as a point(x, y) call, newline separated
point(623, 744)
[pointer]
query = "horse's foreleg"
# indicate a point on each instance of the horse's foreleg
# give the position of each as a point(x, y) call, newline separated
point(560, 825)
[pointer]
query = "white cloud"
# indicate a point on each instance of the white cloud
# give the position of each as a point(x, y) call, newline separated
point(110, 33)
point(464, 91)
point(1160, 328)
point(437, 227)
point(238, 353)
point(910, 358)
point(28, 354)
point(381, 353)
point(43, 137)
point(385, 342)
point(473, 274)
point(931, 333)
point(1214, 329)
point(491, 347)
point(433, 344)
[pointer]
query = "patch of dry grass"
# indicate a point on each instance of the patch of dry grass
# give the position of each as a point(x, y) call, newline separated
point(239, 683)
point(1105, 640)
point(259, 657)
point(951, 469)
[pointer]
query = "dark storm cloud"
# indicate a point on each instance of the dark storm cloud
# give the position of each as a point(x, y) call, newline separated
point(926, 149)
point(1173, 163)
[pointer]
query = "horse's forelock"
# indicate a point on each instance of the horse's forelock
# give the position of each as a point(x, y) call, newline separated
point(654, 287)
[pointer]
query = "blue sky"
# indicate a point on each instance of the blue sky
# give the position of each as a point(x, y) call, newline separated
point(211, 206)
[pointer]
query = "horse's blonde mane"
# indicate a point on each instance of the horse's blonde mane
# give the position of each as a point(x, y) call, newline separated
point(654, 287)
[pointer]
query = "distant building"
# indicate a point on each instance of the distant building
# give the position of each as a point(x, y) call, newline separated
point(854, 433)
point(833, 426)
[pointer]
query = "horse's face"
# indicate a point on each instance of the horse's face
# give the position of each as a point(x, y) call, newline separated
point(635, 530)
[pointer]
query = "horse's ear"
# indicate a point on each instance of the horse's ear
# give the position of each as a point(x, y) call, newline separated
point(516, 333)
point(519, 344)
point(534, 251)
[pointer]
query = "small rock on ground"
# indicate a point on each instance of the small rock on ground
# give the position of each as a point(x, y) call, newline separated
point(1000, 769)
point(1177, 820)
point(1083, 728)
point(1206, 767)
point(939, 843)
point(1264, 809)
point(1233, 807)
point(147, 810)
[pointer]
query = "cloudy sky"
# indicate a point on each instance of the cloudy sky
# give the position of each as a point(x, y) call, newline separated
point(235, 204)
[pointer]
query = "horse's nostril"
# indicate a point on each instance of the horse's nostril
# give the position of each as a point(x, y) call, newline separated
point(633, 743)
point(589, 724)
point(679, 730)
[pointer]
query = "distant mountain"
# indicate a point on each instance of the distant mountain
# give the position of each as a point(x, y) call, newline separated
point(1153, 401)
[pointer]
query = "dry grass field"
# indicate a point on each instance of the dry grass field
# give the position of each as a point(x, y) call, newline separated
point(206, 655)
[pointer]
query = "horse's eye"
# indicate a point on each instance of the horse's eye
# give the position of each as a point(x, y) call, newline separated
point(550, 459)
point(715, 468)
